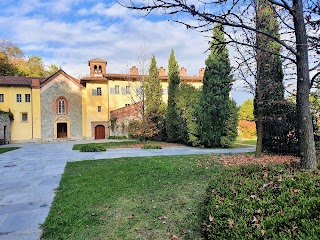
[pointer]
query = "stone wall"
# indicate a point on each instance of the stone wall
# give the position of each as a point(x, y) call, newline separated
point(49, 113)
point(5, 128)
point(120, 119)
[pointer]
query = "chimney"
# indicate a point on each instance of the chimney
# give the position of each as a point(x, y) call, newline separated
point(183, 72)
point(35, 83)
point(134, 71)
point(201, 72)
point(162, 72)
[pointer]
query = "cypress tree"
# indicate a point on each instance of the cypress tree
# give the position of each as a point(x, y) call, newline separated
point(153, 89)
point(172, 116)
point(215, 107)
point(269, 94)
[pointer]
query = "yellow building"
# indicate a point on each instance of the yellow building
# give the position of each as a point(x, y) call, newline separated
point(62, 107)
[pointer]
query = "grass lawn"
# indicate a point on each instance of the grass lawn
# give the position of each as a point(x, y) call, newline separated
point(106, 144)
point(247, 141)
point(7, 149)
point(131, 198)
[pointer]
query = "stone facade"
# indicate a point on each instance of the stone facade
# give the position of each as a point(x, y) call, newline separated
point(69, 91)
point(5, 128)
point(120, 119)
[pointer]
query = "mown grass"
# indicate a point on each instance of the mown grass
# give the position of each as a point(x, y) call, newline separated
point(131, 198)
point(105, 144)
point(7, 149)
point(263, 202)
point(247, 141)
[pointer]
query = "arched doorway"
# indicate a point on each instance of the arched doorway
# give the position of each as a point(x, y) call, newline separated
point(100, 132)
point(62, 130)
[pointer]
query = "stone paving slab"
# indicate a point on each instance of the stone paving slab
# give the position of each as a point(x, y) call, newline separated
point(30, 175)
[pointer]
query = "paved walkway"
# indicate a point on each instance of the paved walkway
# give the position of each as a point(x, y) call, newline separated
point(30, 175)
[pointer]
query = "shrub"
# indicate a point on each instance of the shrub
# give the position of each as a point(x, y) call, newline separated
point(247, 129)
point(257, 202)
point(92, 148)
point(118, 137)
point(151, 146)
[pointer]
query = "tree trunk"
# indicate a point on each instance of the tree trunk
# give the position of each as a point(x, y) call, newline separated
point(305, 127)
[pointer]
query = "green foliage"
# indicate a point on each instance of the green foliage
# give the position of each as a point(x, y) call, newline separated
point(153, 89)
point(105, 145)
point(230, 129)
point(187, 105)
point(215, 107)
point(118, 137)
point(6, 67)
point(151, 146)
point(280, 134)
point(172, 117)
point(92, 148)
point(246, 110)
point(256, 202)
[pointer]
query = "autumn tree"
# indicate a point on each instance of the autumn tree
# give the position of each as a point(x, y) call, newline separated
point(6, 67)
point(246, 110)
point(215, 106)
point(172, 116)
point(296, 17)
point(32, 66)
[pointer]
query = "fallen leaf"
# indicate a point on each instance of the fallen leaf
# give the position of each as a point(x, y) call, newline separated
point(255, 219)
point(253, 196)
point(231, 223)
point(211, 218)
point(294, 228)
point(162, 217)
point(258, 211)
point(174, 237)
point(100, 218)
point(59, 211)
point(131, 216)
point(263, 232)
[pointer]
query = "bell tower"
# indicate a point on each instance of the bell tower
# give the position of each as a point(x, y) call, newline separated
point(98, 67)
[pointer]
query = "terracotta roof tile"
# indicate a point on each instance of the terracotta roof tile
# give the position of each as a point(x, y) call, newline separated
point(17, 80)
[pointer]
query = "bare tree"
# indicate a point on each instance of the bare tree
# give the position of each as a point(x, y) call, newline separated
point(296, 16)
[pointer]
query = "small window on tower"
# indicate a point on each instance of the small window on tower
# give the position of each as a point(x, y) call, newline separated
point(100, 69)
point(95, 69)
point(99, 108)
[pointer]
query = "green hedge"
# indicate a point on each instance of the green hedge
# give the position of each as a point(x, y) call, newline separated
point(92, 148)
point(256, 202)
point(150, 146)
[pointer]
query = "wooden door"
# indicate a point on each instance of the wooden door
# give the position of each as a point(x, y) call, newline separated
point(100, 132)
point(62, 131)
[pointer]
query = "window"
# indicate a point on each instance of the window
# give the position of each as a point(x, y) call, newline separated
point(96, 92)
point(1, 98)
point(19, 98)
point(61, 106)
point(24, 117)
point(99, 108)
point(99, 92)
point(117, 89)
point(27, 98)
point(140, 90)
point(112, 91)
point(128, 90)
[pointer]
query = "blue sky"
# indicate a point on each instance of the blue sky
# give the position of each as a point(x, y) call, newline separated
point(70, 32)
